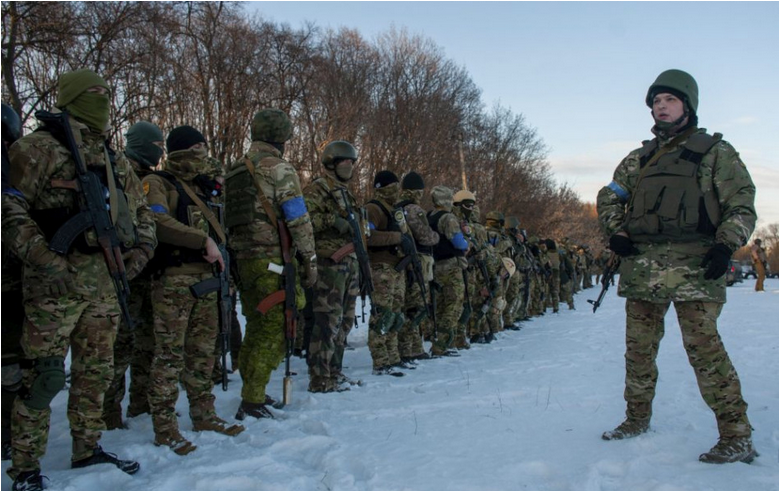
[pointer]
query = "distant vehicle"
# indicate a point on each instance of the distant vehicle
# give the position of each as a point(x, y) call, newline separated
point(748, 271)
point(734, 273)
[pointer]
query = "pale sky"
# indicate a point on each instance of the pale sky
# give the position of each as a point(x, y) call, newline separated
point(579, 71)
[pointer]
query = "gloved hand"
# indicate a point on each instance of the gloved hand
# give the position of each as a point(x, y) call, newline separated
point(407, 245)
point(136, 259)
point(622, 245)
point(716, 261)
point(61, 276)
point(342, 225)
point(309, 273)
point(52, 266)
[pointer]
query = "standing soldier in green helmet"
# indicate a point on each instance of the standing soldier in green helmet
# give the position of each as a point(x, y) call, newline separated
point(449, 254)
point(262, 193)
point(328, 202)
point(135, 346)
point(416, 301)
point(675, 211)
point(497, 238)
point(185, 327)
point(553, 281)
point(66, 302)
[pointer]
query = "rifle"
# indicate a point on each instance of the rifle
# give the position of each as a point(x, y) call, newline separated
point(93, 212)
point(418, 276)
point(366, 287)
point(221, 284)
point(609, 270)
point(287, 295)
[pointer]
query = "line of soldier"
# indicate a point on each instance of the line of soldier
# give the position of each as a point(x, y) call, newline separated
point(439, 276)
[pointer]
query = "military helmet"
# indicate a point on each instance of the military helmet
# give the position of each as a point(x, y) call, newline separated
point(512, 222)
point(463, 195)
point(337, 151)
point(12, 125)
point(676, 82)
point(442, 196)
point(271, 125)
point(496, 216)
point(510, 266)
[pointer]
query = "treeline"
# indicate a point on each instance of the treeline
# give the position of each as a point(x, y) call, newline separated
point(398, 98)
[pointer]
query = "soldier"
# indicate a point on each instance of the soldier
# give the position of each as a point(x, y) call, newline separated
point(677, 249)
point(66, 302)
point(185, 327)
point(135, 346)
point(416, 300)
point(262, 194)
point(13, 318)
point(516, 284)
point(486, 286)
point(554, 279)
point(587, 259)
point(504, 247)
point(334, 294)
point(524, 263)
point(759, 257)
point(449, 254)
point(387, 244)
point(567, 274)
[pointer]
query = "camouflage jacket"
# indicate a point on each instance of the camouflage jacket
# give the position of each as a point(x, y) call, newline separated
point(280, 183)
point(449, 226)
point(671, 271)
point(164, 198)
point(324, 200)
point(384, 236)
point(416, 218)
point(502, 243)
point(38, 162)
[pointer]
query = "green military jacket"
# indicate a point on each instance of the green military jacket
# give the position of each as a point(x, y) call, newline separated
point(325, 201)
point(671, 271)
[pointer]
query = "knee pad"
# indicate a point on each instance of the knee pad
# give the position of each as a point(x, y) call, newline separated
point(49, 382)
point(397, 322)
point(383, 322)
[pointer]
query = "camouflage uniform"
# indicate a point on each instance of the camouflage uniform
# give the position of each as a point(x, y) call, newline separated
point(483, 288)
point(185, 327)
point(449, 263)
point(389, 296)
point(410, 337)
point(334, 295)
point(672, 249)
point(567, 275)
point(505, 249)
point(85, 318)
point(256, 240)
point(553, 282)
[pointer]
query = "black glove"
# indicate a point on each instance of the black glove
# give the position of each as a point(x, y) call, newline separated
point(407, 245)
point(716, 261)
point(622, 245)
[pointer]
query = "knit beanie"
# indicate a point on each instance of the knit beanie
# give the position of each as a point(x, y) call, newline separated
point(384, 178)
point(412, 181)
point(183, 137)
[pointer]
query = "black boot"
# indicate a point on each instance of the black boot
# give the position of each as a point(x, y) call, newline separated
point(28, 480)
point(99, 456)
point(257, 410)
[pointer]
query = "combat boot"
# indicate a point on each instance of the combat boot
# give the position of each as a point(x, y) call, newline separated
point(730, 450)
point(29, 480)
point(320, 384)
point(257, 410)
point(114, 421)
point(216, 424)
point(629, 428)
point(99, 456)
point(383, 370)
point(174, 440)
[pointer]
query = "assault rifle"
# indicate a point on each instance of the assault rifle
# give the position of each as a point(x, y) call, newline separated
point(93, 212)
point(418, 276)
point(221, 284)
point(366, 287)
point(606, 279)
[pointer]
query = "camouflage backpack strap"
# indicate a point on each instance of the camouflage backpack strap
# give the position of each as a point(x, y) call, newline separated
point(268, 208)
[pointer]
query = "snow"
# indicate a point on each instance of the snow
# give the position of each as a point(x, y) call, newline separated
point(523, 413)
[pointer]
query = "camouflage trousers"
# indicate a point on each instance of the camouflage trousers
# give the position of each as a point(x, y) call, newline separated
point(264, 345)
point(388, 298)
point(417, 321)
point(13, 324)
point(185, 330)
point(334, 305)
point(715, 374)
point(133, 348)
point(88, 326)
point(476, 291)
point(567, 293)
point(448, 274)
point(513, 299)
point(587, 280)
point(553, 292)
point(536, 305)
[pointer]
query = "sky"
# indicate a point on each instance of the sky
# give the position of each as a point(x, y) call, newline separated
point(579, 71)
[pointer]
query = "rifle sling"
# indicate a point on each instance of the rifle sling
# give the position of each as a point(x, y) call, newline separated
point(205, 210)
point(270, 211)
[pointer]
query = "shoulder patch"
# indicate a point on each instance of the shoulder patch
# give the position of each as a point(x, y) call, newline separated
point(146, 186)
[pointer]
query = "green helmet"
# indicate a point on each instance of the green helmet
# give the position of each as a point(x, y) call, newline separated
point(496, 216)
point(512, 222)
point(337, 151)
point(680, 83)
point(271, 125)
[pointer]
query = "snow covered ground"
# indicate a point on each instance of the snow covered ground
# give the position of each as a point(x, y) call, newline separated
point(523, 413)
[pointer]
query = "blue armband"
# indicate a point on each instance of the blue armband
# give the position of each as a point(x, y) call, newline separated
point(294, 208)
point(13, 192)
point(159, 209)
point(493, 241)
point(619, 191)
point(372, 226)
point(458, 241)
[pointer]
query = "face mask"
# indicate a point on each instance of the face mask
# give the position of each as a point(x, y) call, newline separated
point(92, 109)
point(344, 170)
point(200, 153)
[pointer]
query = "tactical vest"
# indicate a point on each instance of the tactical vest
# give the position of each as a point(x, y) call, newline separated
point(444, 249)
point(391, 226)
point(241, 196)
point(668, 204)
point(50, 220)
point(425, 250)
